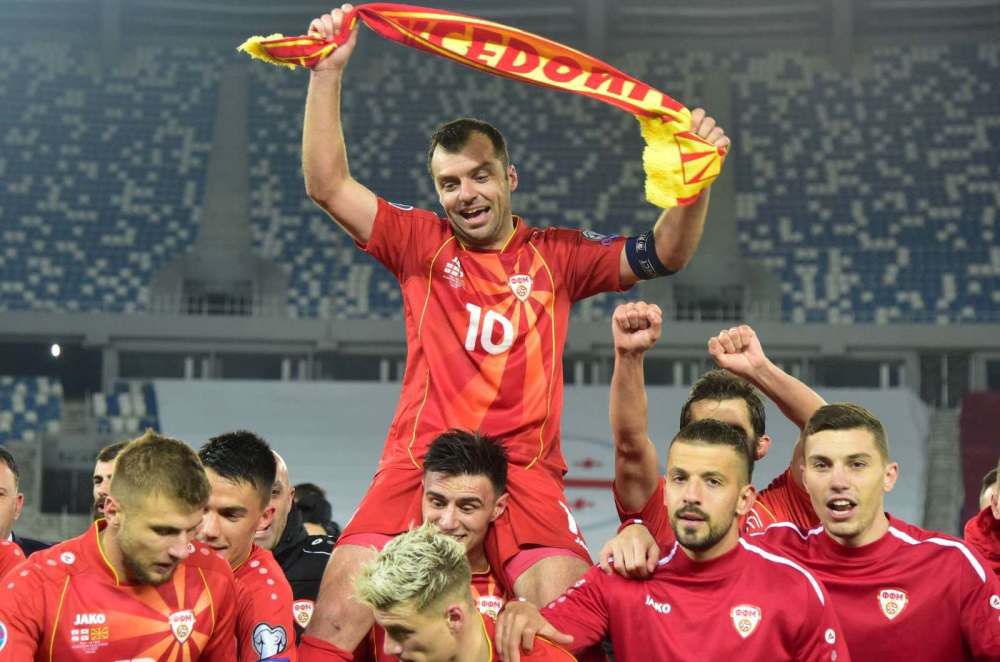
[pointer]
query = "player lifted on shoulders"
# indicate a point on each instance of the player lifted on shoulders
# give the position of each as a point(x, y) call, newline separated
point(486, 300)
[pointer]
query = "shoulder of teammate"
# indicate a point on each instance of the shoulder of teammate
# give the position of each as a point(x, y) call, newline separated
point(772, 563)
point(962, 558)
point(785, 538)
point(23, 598)
point(10, 556)
point(265, 622)
point(209, 562)
point(401, 233)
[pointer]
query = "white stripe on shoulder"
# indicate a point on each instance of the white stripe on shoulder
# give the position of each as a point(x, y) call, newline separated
point(774, 558)
point(789, 525)
point(669, 557)
point(944, 542)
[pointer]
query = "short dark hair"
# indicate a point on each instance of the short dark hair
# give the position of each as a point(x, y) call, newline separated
point(305, 490)
point(111, 451)
point(154, 464)
point(452, 137)
point(989, 480)
point(721, 385)
point(242, 457)
point(718, 433)
point(463, 453)
point(315, 509)
point(848, 416)
point(8, 459)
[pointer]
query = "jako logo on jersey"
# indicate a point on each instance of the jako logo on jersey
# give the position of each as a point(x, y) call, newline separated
point(269, 641)
point(302, 611)
point(453, 273)
point(182, 623)
point(746, 618)
point(892, 601)
point(520, 285)
point(90, 619)
point(658, 607)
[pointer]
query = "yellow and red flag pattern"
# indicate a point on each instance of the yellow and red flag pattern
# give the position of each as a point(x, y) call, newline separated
point(678, 163)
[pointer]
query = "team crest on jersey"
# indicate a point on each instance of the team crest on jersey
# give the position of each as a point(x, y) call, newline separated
point(454, 274)
point(746, 618)
point(302, 611)
point(490, 605)
point(892, 601)
point(520, 285)
point(182, 624)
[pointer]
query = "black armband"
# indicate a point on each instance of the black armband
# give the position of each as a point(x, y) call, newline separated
point(641, 254)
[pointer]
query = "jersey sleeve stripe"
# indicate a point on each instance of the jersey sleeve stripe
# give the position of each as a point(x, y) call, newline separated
point(211, 597)
point(55, 621)
point(774, 558)
point(943, 542)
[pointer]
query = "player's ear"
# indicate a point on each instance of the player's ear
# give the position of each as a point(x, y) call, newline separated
point(266, 517)
point(512, 176)
point(499, 507)
point(748, 495)
point(763, 445)
point(890, 476)
point(112, 511)
point(455, 615)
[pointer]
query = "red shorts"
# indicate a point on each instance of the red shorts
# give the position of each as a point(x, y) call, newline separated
point(536, 515)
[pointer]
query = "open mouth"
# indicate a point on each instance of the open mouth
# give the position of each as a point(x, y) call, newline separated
point(841, 508)
point(475, 215)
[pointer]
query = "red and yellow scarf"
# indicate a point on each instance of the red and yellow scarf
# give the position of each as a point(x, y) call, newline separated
point(678, 163)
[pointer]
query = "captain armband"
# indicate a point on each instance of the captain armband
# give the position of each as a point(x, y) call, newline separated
point(642, 258)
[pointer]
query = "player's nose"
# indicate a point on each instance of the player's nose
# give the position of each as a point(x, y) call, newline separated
point(209, 528)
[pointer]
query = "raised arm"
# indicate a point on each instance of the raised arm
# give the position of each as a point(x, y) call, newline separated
point(324, 154)
point(739, 351)
point(635, 327)
point(678, 230)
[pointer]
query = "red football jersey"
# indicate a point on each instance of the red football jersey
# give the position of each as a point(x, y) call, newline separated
point(748, 604)
point(485, 329)
point(782, 501)
point(10, 556)
point(982, 532)
point(265, 619)
point(911, 595)
point(68, 603)
point(487, 593)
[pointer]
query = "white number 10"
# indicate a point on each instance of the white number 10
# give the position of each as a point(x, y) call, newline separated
point(488, 325)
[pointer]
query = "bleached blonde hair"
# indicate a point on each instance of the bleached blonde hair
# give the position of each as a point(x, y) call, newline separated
point(418, 568)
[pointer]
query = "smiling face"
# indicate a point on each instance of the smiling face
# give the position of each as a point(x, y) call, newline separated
point(474, 188)
point(706, 490)
point(233, 516)
point(462, 507)
point(847, 479)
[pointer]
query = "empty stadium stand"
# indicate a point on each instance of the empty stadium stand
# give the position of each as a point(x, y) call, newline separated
point(29, 407)
point(865, 212)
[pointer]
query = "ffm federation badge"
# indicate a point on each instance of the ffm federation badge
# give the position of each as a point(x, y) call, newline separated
point(520, 285)
point(746, 618)
point(182, 624)
point(892, 601)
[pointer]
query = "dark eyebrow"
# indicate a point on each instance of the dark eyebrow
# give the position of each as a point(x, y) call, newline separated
point(233, 511)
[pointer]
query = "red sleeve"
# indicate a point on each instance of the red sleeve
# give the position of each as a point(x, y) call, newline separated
point(592, 262)
point(265, 627)
point(581, 612)
point(22, 615)
point(980, 610)
point(783, 500)
point(654, 516)
point(399, 233)
point(10, 556)
point(222, 646)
